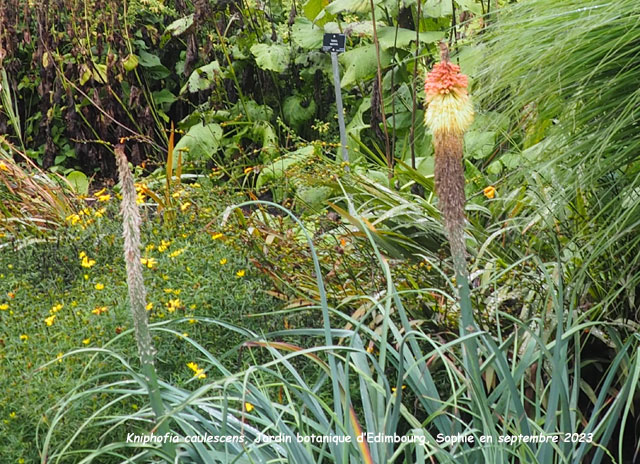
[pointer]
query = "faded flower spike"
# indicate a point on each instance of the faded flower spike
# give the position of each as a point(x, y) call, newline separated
point(449, 113)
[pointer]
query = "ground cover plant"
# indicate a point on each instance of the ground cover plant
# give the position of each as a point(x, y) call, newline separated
point(184, 253)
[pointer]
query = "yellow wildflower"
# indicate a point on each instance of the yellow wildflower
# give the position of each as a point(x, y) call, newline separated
point(164, 245)
point(4, 307)
point(104, 198)
point(197, 371)
point(172, 305)
point(99, 286)
point(489, 192)
point(55, 308)
point(149, 306)
point(216, 236)
point(149, 262)
point(223, 261)
point(99, 310)
point(49, 320)
point(240, 273)
point(184, 206)
point(13, 415)
point(176, 253)
point(99, 212)
point(248, 407)
point(24, 337)
point(59, 356)
point(3, 166)
point(86, 341)
point(86, 261)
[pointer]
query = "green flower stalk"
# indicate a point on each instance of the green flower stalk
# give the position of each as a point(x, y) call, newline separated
point(137, 292)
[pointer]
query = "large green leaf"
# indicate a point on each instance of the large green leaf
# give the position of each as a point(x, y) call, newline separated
point(361, 64)
point(314, 11)
point(351, 6)
point(278, 167)
point(179, 26)
point(200, 142)
point(271, 57)
point(387, 37)
point(437, 8)
point(202, 78)
point(79, 182)
point(305, 34)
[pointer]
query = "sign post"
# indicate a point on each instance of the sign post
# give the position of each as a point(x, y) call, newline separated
point(335, 43)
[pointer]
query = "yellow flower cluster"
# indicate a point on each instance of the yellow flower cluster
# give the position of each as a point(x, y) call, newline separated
point(100, 310)
point(199, 373)
point(86, 261)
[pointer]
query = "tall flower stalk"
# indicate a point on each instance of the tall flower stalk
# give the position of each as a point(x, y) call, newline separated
point(137, 292)
point(449, 114)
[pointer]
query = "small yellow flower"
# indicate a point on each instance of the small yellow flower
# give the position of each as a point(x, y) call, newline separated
point(149, 262)
point(99, 212)
point(99, 310)
point(86, 262)
point(176, 253)
point(197, 371)
point(216, 236)
point(192, 321)
point(149, 306)
point(393, 389)
point(489, 191)
point(86, 277)
point(172, 305)
point(4, 307)
point(223, 261)
point(13, 415)
point(99, 286)
point(248, 406)
point(24, 337)
point(86, 341)
point(59, 356)
point(104, 198)
point(240, 273)
point(3, 166)
point(164, 245)
point(55, 308)
point(185, 334)
point(248, 170)
point(100, 192)
point(184, 206)
point(49, 320)
point(150, 247)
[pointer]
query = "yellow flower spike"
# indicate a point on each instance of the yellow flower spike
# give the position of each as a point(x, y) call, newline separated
point(489, 192)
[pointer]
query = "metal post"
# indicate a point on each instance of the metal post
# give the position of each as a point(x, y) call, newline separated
point(343, 130)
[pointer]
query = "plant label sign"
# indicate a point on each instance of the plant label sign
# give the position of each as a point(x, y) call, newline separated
point(333, 43)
